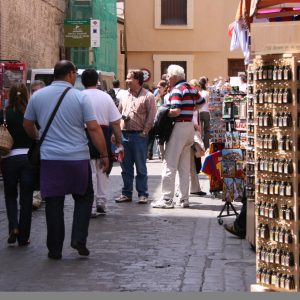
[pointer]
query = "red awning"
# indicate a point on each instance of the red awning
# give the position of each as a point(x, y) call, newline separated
point(274, 8)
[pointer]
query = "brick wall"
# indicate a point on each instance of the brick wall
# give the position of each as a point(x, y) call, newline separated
point(32, 31)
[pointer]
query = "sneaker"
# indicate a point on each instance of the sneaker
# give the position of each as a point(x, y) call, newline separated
point(94, 214)
point(101, 210)
point(185, 204)
point(182, 203)
point(143, 200)
point(163, 204)
point(81, 248)
point(123, 198)
point(36, 201)
point(13, 236)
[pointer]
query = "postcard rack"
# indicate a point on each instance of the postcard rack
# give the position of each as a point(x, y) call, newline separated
point(234, 113)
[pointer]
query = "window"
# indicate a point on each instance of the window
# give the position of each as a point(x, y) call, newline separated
point(173, 12)
point(235, 66)
point(162, 61)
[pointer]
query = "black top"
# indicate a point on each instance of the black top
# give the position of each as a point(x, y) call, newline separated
point(14, 121)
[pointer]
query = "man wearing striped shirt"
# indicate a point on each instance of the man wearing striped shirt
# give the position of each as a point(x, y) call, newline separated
point(182, 102)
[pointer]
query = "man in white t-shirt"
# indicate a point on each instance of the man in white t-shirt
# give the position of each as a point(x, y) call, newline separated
point(108, 116)
point(118, 91)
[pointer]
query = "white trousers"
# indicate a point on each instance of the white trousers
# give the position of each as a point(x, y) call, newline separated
point(194, 179)
point(178, 158)
point(100, 184)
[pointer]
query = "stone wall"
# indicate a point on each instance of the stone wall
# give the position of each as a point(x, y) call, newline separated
point(32, 31)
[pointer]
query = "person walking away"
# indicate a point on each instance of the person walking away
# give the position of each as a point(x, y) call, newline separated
point(37, 199)
point(183, 99)
point(118, 91)
point(204, 112)
point(195, 188)
point(107, 115)
point(18, 174)
point(138, 111)
point(36, 85)
point(65, 167)
point(162, 89)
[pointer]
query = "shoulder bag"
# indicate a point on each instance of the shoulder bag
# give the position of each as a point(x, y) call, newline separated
point(198, 146)
point(6, 140)
point(34, 151)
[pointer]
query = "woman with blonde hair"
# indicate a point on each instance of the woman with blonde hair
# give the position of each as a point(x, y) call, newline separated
point(17, 172)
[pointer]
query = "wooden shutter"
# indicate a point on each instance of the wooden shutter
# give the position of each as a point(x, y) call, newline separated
point(173, 12)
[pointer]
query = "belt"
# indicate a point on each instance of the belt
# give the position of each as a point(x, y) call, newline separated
point(182, 121)
point(132, 131)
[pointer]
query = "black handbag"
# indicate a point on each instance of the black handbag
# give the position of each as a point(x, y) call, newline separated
point(34, 153)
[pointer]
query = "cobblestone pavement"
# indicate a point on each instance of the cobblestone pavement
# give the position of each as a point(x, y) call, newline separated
point(134, 248)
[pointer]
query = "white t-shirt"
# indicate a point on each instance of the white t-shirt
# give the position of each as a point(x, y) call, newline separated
point(204, 94)
point(119, 93)
point(104, 107)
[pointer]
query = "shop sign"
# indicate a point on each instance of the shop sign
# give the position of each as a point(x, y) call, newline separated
point(77, 33)
point(279, 48)
point(147, 74)
point(95, 33)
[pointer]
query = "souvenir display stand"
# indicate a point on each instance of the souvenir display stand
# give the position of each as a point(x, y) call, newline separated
point(212, 163)
point(276, 98)
point(250, 160)
point(234, 114)
point(277, 116)
point(217, 124)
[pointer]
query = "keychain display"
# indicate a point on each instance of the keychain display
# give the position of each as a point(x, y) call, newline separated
point(273, 135)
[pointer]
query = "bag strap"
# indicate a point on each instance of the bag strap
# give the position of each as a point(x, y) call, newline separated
point(4, 117)
point(53, 115)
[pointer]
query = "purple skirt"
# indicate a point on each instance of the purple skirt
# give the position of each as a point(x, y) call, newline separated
point(62, 177)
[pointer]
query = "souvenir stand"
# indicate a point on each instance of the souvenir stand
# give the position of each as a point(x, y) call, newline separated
point(276, 102)
point(212, 164)
point(250, 160)
point(234, 113)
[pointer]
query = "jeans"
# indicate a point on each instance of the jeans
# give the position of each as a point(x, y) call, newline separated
point(18, 172)
point(135, 152)
point(151, 141)
point(81, 219)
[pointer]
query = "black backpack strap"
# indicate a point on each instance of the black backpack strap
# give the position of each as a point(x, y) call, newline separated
point(53, 114)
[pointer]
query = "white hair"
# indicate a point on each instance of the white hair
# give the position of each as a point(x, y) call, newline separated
point(175, 70)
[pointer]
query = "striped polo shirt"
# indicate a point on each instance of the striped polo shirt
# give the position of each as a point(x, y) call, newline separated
point(185, 97)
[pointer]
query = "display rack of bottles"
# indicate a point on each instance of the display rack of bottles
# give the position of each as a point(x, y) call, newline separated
point(274, 121)
point(250, 151)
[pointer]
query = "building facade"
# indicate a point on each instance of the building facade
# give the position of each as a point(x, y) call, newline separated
point(32, 31)
point(191, 33)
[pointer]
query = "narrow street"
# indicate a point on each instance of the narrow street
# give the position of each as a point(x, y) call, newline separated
point(134, 248)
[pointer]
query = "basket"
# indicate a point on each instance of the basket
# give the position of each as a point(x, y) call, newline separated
point(6, 141)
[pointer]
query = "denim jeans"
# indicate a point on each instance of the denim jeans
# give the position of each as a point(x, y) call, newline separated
point(17, 171)
point(81, 219)
point(135, 153)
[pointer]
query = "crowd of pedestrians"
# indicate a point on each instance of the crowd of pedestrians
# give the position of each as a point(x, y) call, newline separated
point(77, 152)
